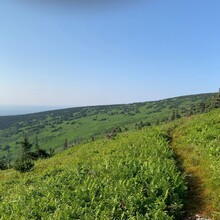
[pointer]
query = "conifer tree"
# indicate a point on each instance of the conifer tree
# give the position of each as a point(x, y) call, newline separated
point(26, 148)
point(65, 146)
point(24, 164)
point(37, 146)
point(173, 116)
point(214, 102)
point(177, 115)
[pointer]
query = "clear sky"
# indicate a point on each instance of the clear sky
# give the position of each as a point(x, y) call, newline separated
point(70, 55)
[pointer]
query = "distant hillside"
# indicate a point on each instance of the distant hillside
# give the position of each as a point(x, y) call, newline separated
point(86, 123)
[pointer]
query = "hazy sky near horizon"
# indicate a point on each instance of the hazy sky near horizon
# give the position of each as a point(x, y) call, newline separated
point(73, 55)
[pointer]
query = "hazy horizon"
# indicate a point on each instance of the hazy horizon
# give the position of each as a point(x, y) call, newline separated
point(10, 110)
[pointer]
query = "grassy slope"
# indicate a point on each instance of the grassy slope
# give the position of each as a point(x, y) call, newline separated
point(80, 124)
point(131, 177)
point(196, 141)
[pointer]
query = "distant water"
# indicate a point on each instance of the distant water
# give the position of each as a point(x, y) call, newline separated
point(20, 110)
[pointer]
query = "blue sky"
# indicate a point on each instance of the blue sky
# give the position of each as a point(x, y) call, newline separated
point(57, 55)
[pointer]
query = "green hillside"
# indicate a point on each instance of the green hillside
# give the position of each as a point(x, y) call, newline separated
point(159, 172)
point(196, 143)
point(78, 125)
point(133, 176)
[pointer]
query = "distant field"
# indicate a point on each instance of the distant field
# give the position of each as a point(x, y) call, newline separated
point(86, 123)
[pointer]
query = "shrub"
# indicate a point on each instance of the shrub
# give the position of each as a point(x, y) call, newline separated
point(23, 165)
point(3, 164)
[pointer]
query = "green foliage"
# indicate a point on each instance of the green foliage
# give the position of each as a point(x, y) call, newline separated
point(65, 145)
point(40, 154)
point(133, 176)
point(51, 152)
point(214, 102)
point(113, 132)
point(81, 124)
point(127, 176)
point(25, 148)
point(197, 141)
point(23, 166)
point(141, 124)
point(3, 163)
point(24, 163)
point(175, 115)
point(204, 106)
point(37, 146)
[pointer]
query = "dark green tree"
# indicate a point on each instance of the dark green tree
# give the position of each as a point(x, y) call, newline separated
point(8, 158)
point(190, 111)
point(3, 163)
point(202, 107)
point(65, 146)
point(25, 148)
point(37, 146)
point(175, 115)
point(39, 152)
point(25, 163)
point(139, 126)
point(214, 102)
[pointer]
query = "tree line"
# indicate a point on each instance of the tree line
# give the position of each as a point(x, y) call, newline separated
point(202, 107)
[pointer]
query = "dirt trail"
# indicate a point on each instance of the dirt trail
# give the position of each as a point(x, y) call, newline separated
point(196, 206)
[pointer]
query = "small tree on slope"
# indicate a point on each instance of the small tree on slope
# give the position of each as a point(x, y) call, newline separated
point(24, 164)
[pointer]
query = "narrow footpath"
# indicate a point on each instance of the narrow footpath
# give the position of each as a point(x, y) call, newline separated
point(197, 206)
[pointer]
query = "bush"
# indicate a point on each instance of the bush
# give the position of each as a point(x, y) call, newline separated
point(23, 165)
point(3, 164)
point(39, 154)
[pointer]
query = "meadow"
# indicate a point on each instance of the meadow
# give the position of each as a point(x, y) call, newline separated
point(196, 143)
point(84, 124)
point(129, 165)
point(133, 176)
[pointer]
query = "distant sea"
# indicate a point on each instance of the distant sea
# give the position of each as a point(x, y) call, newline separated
point(20, 110)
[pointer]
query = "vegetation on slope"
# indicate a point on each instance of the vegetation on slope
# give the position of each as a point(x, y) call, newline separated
point(196, 141)
point(130, 176)
point(133, 176)
point(86, 123)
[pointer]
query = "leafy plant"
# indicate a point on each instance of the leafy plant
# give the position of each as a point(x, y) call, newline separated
point(23, 165)
point(132, 177)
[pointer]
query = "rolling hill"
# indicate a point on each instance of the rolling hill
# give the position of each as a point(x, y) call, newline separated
point(159, 172)
point(196, 143)
point(163, 171)
point(82, 124)
point(133, 176)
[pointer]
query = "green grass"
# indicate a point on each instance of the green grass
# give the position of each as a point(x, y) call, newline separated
point(131, 177)
point(81, 124)
point(196, 142)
